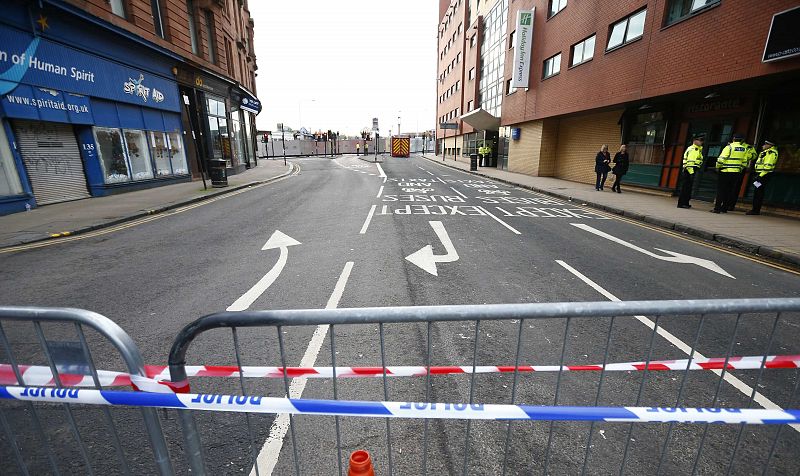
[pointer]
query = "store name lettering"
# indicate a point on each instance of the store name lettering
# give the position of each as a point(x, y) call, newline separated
point(35, 63)
point(135, 86)
point(715, 106)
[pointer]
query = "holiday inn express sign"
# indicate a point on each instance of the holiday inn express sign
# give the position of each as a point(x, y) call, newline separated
point(522, 49)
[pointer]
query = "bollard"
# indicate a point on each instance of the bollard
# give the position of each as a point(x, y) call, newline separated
point(360, 464)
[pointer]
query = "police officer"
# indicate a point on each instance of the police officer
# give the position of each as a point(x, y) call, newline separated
point(358, 148)
point(765, 165)
point(729, 164)
point(750, 156)
point(485, 150)
point(692, 160)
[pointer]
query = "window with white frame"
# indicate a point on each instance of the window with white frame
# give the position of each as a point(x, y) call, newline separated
point(680, 9)
point(556, 6)
point(627, 30)
point(552, 66)
point(472, 74)
point(583, 51)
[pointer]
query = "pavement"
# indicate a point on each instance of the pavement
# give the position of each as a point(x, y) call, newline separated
point(773, 237)
point(80, 216)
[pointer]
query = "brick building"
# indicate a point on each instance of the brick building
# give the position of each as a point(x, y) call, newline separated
point(106, 96)
point(644, 73)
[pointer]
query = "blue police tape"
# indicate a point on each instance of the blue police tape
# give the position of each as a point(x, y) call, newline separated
point(254, 404)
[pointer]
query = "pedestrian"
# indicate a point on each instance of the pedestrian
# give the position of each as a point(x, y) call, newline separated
point(729, 163)
point(692, 160)
point(620, 168)
point(358, 148)
point(765, 165)
point(366, 148)
point(750, 156)
point(601, 167)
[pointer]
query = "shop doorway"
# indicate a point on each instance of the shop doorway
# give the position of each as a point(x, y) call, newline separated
point(52, 159)
point(718, 134)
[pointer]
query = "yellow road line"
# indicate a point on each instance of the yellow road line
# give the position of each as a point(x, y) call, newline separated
point(66, 237)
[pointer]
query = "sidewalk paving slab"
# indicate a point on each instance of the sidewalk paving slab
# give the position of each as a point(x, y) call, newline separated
point(81, 216)
point(773, 237)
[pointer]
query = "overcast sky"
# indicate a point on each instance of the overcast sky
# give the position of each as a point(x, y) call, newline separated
point(340, 63)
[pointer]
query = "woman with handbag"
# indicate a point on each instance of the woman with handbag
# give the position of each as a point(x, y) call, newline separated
point(601, 167)
point(621, 163)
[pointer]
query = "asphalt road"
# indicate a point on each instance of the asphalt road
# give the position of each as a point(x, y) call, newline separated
point(355, 230)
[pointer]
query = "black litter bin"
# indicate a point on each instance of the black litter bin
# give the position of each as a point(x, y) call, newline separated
point(219, 177)
point(473, 162)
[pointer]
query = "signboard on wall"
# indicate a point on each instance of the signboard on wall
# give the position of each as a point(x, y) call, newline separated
point(523, 43)
point(783, 41)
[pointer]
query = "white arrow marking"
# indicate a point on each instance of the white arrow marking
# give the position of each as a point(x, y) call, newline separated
point(277, 240)
point(425, 259)
point(673, 258)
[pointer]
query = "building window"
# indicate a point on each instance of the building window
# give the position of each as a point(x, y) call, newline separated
point(508, 87)
point(552, 66)
point(472, 41)
point(192, 27)
point(458, 58)
point(511, 39)
point(9, 177)
point(229, 57)
point(627, 30)
point(472, 74)
point(470, 105)
point(583, 51)
point(556, 6)
point(210, 37)
point(458, 85)
point(138, 154)
point(158, 21)
point(118, 8)
point(460, 26)
point(679, 9)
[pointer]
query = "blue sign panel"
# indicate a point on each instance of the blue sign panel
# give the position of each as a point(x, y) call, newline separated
point(249, 102)
point(38, 62)
point(42, 104)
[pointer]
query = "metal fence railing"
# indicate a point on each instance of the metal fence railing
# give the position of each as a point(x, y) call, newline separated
point(571, 364)
point(56, 438)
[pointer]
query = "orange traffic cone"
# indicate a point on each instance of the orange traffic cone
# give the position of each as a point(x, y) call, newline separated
point(360, 464)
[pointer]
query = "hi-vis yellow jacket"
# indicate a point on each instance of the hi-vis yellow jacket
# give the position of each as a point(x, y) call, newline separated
point(693, 158)
point(734, 157)
point(766, 161)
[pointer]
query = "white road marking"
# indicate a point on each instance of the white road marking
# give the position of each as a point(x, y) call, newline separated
point(462, 195)
point(424, 257)
point(674, 258)
point(269, 454)
point(440, 179)
point(684, 347)
point(513, 230)
point(430, 173)
point(369, 218)
point(277, 240)
point(380, 192)
point(381, 173)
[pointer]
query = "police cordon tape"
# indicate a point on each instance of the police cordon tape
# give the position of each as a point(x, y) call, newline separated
point(158, 378)
point(417, 410)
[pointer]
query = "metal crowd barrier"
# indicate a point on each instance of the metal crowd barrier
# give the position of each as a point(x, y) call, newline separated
point(84, 443)
point(559, 334)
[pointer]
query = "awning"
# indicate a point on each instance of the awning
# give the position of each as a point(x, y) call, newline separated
point(481, 120)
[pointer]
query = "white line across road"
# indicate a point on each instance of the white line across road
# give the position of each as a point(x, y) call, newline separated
point(461, 194)
point(513, 230)
point(684, 347)
point(269, 454)
point(380, 192)
point(369, 219)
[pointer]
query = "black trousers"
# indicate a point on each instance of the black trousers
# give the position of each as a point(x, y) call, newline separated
point(735, 187)
point(758, 194)
point(617, 181)
point(725, 182)
point(601, 179)
point(687, 180)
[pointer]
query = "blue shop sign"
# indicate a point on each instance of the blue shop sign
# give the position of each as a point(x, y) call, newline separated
point(42, 104)
point(25, 59)
point(249, 102)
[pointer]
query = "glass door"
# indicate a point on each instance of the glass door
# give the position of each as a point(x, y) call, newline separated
point(718, 134)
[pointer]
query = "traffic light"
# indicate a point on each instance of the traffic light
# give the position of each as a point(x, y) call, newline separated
point(324, 137)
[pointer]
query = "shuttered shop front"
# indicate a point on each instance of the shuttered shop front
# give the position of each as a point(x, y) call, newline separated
point(52, 159)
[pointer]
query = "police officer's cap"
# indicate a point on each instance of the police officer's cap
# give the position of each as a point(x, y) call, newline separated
point(738, 136)
point(699, 137)
point(766, 141)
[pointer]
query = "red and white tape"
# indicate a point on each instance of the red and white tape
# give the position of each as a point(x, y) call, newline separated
point(158, 378)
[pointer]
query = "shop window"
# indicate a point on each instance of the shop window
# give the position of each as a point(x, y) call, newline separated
point(556, 6)
point(680, 9)
point(646, 138)
point(626, 30)
point(112, 154)
point(9, 178)
point(139, 154)
point(160, 153)
point(552, 66)
point(177, 153)
point(118, 8)
point(583, 51)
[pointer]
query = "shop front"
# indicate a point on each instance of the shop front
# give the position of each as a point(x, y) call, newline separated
point(76, 125)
